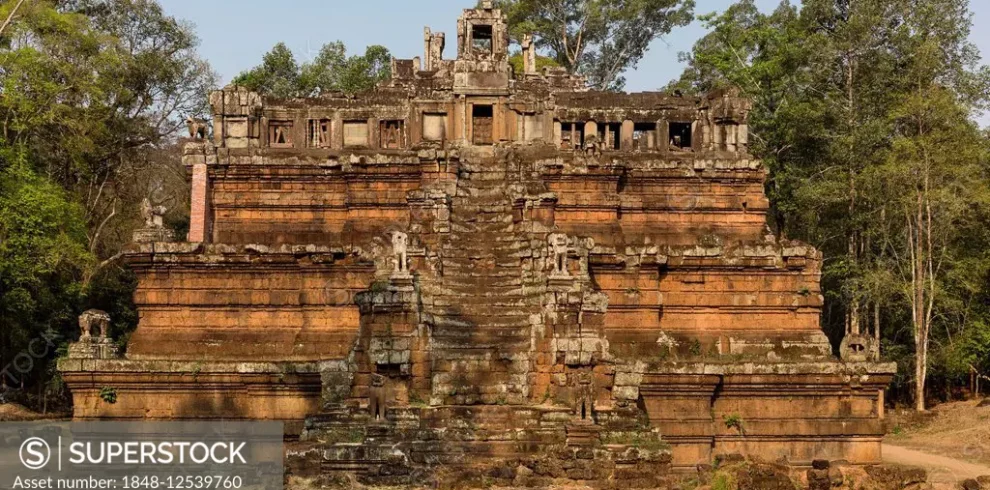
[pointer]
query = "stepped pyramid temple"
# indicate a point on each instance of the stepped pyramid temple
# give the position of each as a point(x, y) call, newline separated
point(469, 267)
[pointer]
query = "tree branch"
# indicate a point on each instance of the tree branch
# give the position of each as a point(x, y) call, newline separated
point(10, 17)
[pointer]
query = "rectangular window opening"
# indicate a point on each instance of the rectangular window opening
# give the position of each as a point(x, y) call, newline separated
point(483, 122)
point(434, 126)
point(611, 134)
point(391, 134)
point(481, 38)
point(319, 133)
point(532, 127)
point(280, 134)
point(644, 136)
point(356, 134)
point(680, 135)
point(571, 136)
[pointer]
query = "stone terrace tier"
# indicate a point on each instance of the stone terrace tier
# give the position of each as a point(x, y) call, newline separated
point(470, 261)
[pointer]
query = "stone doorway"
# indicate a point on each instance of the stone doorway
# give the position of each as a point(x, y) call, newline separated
point(482, 123)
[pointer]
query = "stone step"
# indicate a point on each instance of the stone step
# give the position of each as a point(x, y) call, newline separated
point(498, 292)
point(465, 288)
point(468, 326)
point(480, 312)
point(480, 264)
point(482, 338)
point(481, 242)
point(480, 348)
point(477, 293)
point(475, 207)
point(465, 227)
point(474, 174)
point(488, 195)
point(583, 434)
point(441, 302)
point(483, 333)
point(493, 237)
point(462, 357)
point(485, 288)
point(481, 218)
point(466, 251)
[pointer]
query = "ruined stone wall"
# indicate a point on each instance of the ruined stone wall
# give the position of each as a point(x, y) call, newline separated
point(247, 303)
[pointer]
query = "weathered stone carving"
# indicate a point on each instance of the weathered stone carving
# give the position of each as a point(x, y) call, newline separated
point(94, 320)
point(90, 346)
point(858, 348)
point(197, 127)
point(153, 215)
point(154, 229)
point(558, 254)
point(400, 250)
point(529, 55)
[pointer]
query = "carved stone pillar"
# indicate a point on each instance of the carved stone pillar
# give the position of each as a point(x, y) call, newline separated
point(529, 55)
point(626, 135)
point(199, 209)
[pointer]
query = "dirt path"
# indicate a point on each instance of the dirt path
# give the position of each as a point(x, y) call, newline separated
point(941, 469)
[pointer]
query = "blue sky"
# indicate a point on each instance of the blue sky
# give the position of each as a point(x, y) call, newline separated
point(235, 34)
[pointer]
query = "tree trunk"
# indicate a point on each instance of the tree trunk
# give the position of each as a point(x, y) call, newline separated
point(876, 324)
point(920, 373)
point(918, 316)
point(853, 321)
point(9, 18)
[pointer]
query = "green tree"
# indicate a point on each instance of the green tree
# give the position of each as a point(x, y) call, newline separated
point(88, 87)
point(91, 93)
point(843, 92)
point(278, 74)
point(597, 38)
point(330, 71)
point(936, 164)
point(519, 65)
point(43, 258)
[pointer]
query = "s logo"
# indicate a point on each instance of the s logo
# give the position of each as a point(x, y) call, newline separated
point(35, 453)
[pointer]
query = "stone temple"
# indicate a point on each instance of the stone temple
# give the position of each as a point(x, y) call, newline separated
point(471, 267)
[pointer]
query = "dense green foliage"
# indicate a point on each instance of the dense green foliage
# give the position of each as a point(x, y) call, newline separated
point(599, 39)
point(92, 94)
point(519, 65)
point(863, 116)
point(330, 71)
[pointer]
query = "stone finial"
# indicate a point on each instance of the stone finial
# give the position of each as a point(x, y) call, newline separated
point(197, 127)
point(529, 55)
point(486, 5)
point(427, 49)
point(153, 215)
point(154, 229)
point(858, 348)
point(89, 346)
point(434, 45)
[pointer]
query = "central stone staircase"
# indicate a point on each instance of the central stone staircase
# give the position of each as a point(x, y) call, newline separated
point(486, 302)
point(495, 321)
